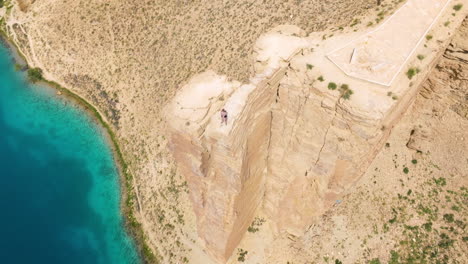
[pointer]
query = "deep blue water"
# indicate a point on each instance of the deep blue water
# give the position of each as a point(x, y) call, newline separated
point(59, 189)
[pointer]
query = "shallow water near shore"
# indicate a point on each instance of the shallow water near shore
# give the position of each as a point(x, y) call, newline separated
point(60, 192)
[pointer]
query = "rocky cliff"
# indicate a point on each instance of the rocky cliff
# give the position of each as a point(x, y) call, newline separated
point(293, 143)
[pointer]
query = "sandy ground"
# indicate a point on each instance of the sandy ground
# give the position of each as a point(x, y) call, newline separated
point(379, 55)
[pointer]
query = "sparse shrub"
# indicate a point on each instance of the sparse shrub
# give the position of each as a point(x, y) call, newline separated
point(385, 228)
point(428, 37)
point(355, 22)
point(445, 241)
point(337, 261)
point(320, 78)
point(421, 57)
point(412, 72)
point(447, 23)
point(332, 86)
point(310, 66)
point(375, 261)
point(35, 75)
point(448, 218)
point(256, 223)
point(427, 226)
point(394, 257)
point(457, 7)
point(345, 91)
point(440, 181)
point(241, 254)
point(347, 94)
point(405, 170)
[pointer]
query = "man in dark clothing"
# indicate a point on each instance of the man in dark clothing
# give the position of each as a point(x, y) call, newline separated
point(224, 116)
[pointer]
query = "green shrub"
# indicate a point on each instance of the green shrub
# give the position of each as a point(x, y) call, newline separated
point(332, 86)
point(35, 75)
point(421, 57)
point(241, 254)
point(310, 66)
point(256, 223)
point(355, 22)
point(428, 37)
point(440, 181)
point(345, 91)
point(414, 161)
point(346, 95)
point(457, 7)
point(427, 226)
point(405, 170)
point(321, 78)
point(448, 218)
point(445, 241)
point(375, 261)
point(395, 257)
point(412, 72)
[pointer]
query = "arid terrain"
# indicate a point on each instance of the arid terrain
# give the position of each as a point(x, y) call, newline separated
point(129, 60)
point(410, 205)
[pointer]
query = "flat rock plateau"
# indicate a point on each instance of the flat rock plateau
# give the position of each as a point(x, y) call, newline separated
point(313, 165)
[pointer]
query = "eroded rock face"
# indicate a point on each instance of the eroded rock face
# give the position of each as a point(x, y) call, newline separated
point(291, 147)
point(318, 145)
point(225, 165)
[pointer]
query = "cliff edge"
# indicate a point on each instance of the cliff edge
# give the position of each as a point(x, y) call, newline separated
point(302, 131)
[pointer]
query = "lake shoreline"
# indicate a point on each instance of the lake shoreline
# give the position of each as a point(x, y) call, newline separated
point(131, 225)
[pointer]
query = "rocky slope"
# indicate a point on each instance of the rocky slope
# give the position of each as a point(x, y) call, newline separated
point(418, 180)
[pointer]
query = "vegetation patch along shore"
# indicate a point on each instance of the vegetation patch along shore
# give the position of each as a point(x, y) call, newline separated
point(132, 225)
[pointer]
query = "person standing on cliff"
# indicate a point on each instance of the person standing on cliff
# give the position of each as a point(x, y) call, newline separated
point(224, 116)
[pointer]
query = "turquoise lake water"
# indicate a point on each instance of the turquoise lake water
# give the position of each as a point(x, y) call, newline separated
point(59, 191)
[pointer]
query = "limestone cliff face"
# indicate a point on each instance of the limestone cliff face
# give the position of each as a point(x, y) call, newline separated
point(291, 146)
point(225, 165)
point(318, 144)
